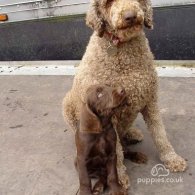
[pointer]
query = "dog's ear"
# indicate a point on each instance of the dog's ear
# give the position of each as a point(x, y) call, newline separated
point(148, 13)
point(89, 122)
point(94, 19)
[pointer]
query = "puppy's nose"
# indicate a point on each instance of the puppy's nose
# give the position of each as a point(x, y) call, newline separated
point(130, 16)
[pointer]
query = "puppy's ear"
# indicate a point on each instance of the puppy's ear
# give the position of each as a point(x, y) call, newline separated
point(94, 19)
point(89, 122)
point(148, 13)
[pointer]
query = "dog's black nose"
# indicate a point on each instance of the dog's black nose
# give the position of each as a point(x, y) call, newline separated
point(130, 16)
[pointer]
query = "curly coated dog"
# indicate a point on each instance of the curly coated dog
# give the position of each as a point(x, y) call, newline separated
point(118, 54)
point(96, 141)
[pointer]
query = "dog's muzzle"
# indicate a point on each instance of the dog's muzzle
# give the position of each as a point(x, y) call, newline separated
point(131, 19)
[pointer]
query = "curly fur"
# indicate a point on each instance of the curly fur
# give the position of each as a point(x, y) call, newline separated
point(131, 67)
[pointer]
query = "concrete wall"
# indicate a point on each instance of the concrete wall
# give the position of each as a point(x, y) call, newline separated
point(173, 37)
point(38, 9)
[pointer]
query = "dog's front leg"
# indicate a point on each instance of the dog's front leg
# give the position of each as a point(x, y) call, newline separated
point(155, 125)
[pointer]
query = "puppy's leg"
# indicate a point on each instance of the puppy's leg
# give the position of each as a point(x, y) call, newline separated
point(155, 125)
point(118, 185)
point(83, 149)
point(84, 180)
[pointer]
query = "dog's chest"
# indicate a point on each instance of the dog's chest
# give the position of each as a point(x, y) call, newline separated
point(139, 86)
point(132, 68)
point(103, 145)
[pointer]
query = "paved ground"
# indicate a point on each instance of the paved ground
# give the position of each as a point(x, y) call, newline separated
point(37, 150)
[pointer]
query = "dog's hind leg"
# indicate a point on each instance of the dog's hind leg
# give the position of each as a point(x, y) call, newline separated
point(126, 131)
point(69, 111)
point(133, 136)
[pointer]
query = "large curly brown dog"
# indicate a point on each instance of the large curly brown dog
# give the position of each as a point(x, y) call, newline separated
point(118, 54)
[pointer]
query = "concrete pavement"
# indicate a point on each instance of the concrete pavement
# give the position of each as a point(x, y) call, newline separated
point(37, 150)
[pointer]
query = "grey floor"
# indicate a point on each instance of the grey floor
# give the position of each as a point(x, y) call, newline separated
point(37, 150)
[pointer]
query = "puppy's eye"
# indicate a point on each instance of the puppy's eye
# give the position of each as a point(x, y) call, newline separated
point(99, 95)
point(99, 92)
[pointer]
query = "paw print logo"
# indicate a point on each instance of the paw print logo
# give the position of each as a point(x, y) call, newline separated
point(160, 170)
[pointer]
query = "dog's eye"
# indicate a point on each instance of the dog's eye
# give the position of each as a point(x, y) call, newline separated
point(99, 95)
point(99, 92)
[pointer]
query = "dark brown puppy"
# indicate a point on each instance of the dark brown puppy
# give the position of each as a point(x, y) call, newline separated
point(96, 141)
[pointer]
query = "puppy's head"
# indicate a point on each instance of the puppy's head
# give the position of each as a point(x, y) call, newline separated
point(101, 100)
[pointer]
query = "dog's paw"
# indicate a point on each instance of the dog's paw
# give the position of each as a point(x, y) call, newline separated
point(174, 162)
point(133, 136)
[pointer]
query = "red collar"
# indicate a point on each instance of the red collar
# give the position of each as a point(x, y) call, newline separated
point(114, 39)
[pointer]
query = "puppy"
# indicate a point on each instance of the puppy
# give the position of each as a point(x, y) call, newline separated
point(96, 141)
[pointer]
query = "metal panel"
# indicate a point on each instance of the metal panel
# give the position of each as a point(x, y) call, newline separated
point(37, 9)
point(28, 9)
point(160, 3)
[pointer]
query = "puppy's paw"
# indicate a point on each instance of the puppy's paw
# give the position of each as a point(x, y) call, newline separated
point(174, 162)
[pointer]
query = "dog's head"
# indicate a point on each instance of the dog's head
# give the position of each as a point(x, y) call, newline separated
point(101, 100)
point(125, 18)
